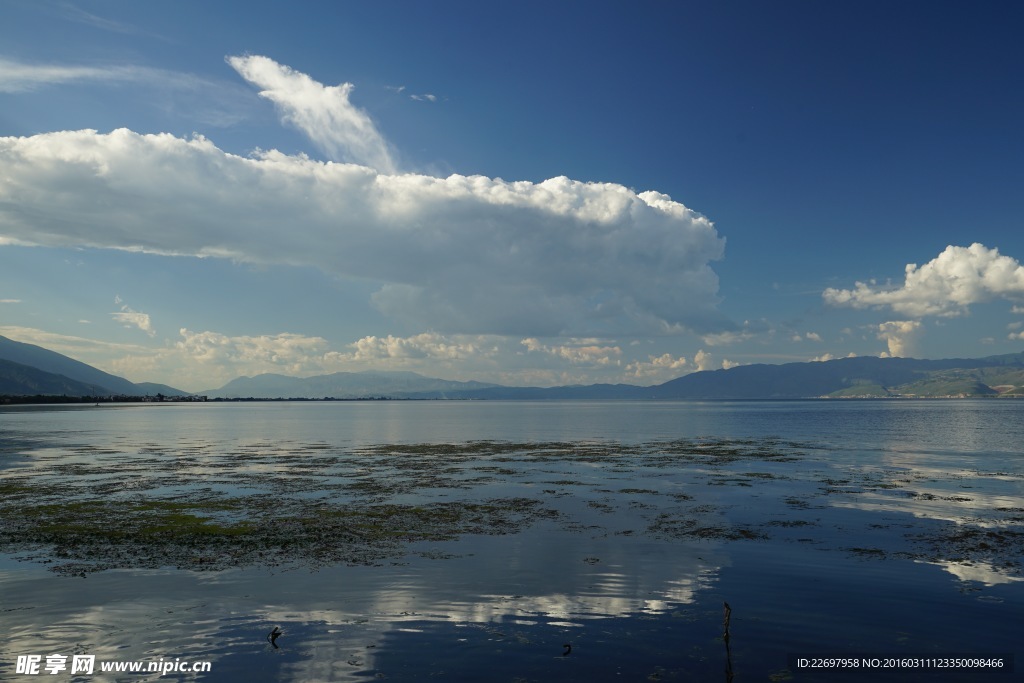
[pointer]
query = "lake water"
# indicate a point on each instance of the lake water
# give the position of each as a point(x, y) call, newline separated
point(516, 541)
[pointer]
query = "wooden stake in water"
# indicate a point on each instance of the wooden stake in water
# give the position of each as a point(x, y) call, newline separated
point(725, 637)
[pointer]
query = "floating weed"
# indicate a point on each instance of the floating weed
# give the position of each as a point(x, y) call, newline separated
point(788, 523)
point(212, 506)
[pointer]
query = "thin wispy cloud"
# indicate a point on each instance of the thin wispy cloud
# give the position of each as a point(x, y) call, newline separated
point(322, 113)
point(24, 77)
point(78, 15)
point(216, 103)
point(81, 348)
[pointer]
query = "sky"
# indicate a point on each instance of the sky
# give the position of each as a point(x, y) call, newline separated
point(523, 193)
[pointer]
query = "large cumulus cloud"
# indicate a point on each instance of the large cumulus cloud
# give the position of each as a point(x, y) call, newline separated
point(945, 286)
point(463, 254)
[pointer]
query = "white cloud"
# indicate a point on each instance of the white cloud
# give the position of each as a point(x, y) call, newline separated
point(459, 254)
point(1015, 336)
point(946, 286)
point(900, 336)
point(18, 77)
point(725, 338)
point(292, 353)
point(205, 360)
point(828, 356)
point(197, 361)
point(428, 345)
point(702, 360)
point(577, 351)
point(749, 330)
point(22, 77)
point(705, 361)
point(209, 359)
point(217, 103)
point(323, 113)
point(425, 97)
point(10, 301)
point(657, 369)
point(132, 318)
point(813, 336)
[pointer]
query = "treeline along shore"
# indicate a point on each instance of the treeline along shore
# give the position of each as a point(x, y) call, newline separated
point(44, 399)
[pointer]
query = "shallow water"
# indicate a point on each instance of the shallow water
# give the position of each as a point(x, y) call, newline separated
point(869, 527)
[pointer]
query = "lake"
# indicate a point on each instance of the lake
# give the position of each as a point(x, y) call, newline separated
point(515, 541)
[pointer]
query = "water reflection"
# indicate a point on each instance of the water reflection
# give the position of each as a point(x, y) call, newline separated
point(978, 572)
point(338, 622)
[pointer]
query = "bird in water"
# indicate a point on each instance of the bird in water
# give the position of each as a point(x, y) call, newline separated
point(274, 635)
point(568, 649)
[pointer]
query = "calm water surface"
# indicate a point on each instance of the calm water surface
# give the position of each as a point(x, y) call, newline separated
point(869, 540)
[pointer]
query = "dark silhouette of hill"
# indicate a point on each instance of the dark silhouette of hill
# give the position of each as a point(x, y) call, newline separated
point(59, 364)
point(23, 380)
point(76, 372)
point(803, 380)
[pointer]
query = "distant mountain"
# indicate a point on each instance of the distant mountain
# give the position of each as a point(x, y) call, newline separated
point(23, 380)
point(844, 377)
point(53, 363)
point(29, 369)
point(58, 364)
point(865, 376)
point(370, 384)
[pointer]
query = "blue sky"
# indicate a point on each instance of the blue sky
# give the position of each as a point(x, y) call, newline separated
point(524, 193)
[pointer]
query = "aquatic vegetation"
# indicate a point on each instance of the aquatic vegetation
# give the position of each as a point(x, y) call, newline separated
point(201, 506)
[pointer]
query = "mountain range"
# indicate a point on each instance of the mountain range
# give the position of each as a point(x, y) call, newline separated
point(29, 370)
point(26, 369)
point(369, 384)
